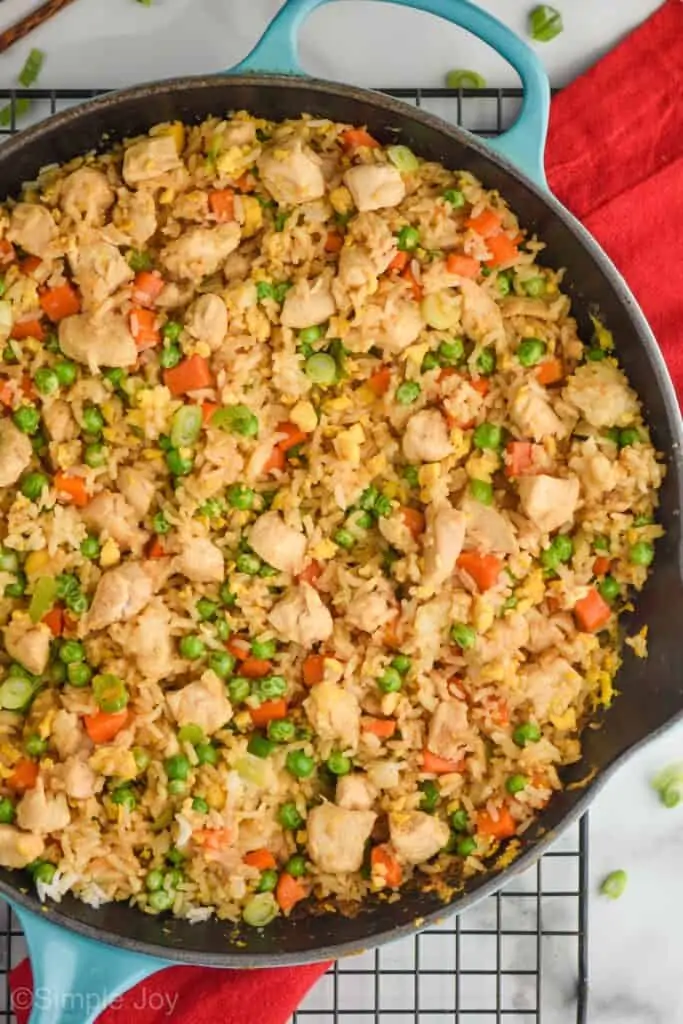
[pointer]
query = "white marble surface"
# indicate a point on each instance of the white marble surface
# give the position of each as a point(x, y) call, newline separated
point(636, 944)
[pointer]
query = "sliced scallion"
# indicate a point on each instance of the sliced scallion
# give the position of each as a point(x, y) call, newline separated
point(460, 78)
point(545, 23)
point(669, 785)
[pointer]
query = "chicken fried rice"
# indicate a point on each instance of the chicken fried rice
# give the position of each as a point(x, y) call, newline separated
point(318, 517)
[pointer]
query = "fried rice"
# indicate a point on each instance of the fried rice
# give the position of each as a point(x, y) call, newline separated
point(318, 519)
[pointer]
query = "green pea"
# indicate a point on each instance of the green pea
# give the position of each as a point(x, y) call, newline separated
point(408, 392)
point(527, 732)
point(77, 603)
point(431, 794)
point(368, 498)
point(338, 763)
point(390, 681)
point(154, 880)
point(411, 475)
point(90, 548)
point(430, 362)
point(267, 571)
point(363, 520)
point(26, 419)
point(139, 260)
point(44, 872)
point(7, 812)
point(222, 663)
point(170, 356)
point(309, 335)
point(46, 381)
point(33, 485)
point(200, 805)
point(71, 651)
point(9, 355)
point(239, 689)
point(192, 647)
point(16, 589)
point(227, 598)
point(455, 197)
point(93, 420)
point(161, 900)
point(160, 523)
point(172, 330)
point(66, 373)
point(248, 563)
point(344, 538)
point(463, 635)
point(260, 746)
point(560, 550)
point(123, 796)
point(268, 880)
point(57, 672)
point(264, 290)
point(482, 491)
point(534, 287)
point(270, 687)
point(383, 506)
point(177, 787)
point(299, 764)
point(460, 820)
point(296, 866)
point(191, 733)
point(264, 649)
point(601, 544)
point(609, 588)
point(35, 746)
point(178, 465)
point(206, 753)
point(531, 351)
point(408, 239)
point(488, 435)
point(95, 455)
point(177, 767)
point(142, 758)
point(321, 369)
point(402, 663)
point(289, 817)
point(175, 856)
point(212, 508)
point(466, 846)
point(206, 609)
point(629, 436)
point(115, 375)
point(641, 553)
point(503, 284)
point(486, 362)
point(596, 354)
point(451, 352)
point(516, 783)
point(241, 497)
point(79, 674)
point(281, 730)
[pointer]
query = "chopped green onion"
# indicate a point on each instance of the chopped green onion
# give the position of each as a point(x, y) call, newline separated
point(15, 692)
point(545, 23)
point(460, 78)
point(20, 107)
point(614, 885)
point(237, 419)
point(186, 426)
point(31, 69)
point(320, 368)
point(482, 491)
point(402, 158)
point(455, 197)
point(260, 910)
point(44, 596)
point(110, 693)
point(669, 785)
point(139, 260)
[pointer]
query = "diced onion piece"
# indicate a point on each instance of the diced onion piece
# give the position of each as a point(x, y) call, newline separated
point(441, 310)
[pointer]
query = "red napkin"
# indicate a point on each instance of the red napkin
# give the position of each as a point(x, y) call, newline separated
point(615, 158)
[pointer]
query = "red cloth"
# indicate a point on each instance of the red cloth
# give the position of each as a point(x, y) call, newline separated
point(615, 158)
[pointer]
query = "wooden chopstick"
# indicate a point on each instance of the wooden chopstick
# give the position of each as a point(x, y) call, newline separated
point(33, 20)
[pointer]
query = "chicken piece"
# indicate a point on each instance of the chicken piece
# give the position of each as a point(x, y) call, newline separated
point(432, 621)
point(78, 779)
point(426, 437)
point(99, 270)
point(149, 641)
point(370, 612)
point(548, 501)
point(207, 320)
point(33, 228)
point(488, 529)
point(449, 730)
point(237, 133)
point(504, 640)
point(532, 414)
point(370, 232)
point(38, 812)
point(538, 309)
point(137, 487)
point(15, 452)
point(391, 327)
point(291, 172)
point(482, 319)
point(374, 186)
point(18, 849)
point(96, 342)
point(308, 303)
point(334, 713)
point(443, 542)
point(279, 545)
point(135, 215)
point(546, 631)
point(355, 792)
point(416, 836)
point(200, 560)
point(148, 159)
point(301, 617)
point(86, 195)
point(552, 686)
point(113, 759)
point(356, 276)
point(201, 703)
point(601, 393)
point(59, 421)
point(337, 837)
point(110, 514)
point(121, 594)
point(27, 643)
point(200, 251)
point(68, 734)
point(596, 472)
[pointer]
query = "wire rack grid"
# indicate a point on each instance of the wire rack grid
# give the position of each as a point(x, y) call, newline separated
point(519, 957)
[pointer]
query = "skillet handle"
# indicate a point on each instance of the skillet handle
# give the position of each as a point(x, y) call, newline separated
point(74, 978)
point(277, 52)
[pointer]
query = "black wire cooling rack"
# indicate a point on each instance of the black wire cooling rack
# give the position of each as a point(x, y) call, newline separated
point(519, 957)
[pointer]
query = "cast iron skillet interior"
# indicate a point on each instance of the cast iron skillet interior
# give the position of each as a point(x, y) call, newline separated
point(651, 690)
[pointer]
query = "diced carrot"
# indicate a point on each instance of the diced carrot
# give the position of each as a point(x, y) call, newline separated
point(261, 859)
point(213, 838)
point(55, 620)
point(502, 249)
point(499, 711)
point(246, 182)
point(7, 253)
point(288, 892)
point(28, 329)
point(30, 264)
point(71, 489)
point(275, 461)
point(239, 647)
point(24, 774)
point(208, 409)
point(269, 711)
point(519, 458)
point(484, 569)
point(311, 573)
point(356, 137)
point(6, 394)
point(143, 327)
point(440, 765)
point(592, 611)
point(464, 266)
point(481, 385)
point(487, 223)
point(384, 867)
point(222, 203)
point(334, 242)
point(550, 371)
point(416, 287)
point(147, 287)
point(293, 435)
point(155, 548)
point(501, 827)
point(391, 634)
point(60, 302)
point(313, 669)
point(379, 381)
point(384, 728)
point(102, 727)
point(399, 262)
point(190, 375)
point(255, 668)
point(414, 520)
point(601, 565)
